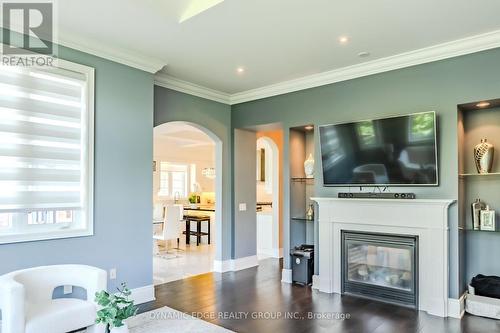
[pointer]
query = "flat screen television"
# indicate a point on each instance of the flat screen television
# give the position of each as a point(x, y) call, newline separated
point(396, 151)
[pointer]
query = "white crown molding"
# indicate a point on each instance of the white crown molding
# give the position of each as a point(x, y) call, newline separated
point(451, 49)
point(170, 82)
point(438, 52)
point(122, 56)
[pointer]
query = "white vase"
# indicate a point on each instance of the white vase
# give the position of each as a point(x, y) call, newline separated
point(483, 156)
point(309, 167)
point(121, 329)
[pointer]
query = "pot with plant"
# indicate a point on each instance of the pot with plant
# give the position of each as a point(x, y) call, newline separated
point(192, 200)
point(115, 309)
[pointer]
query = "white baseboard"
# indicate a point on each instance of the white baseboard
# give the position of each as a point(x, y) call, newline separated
point(456, 307)
point(286, 275)
point(232, 265)
point(244, 263)
point(222, 266)
point(315, 284)
point(143, 294)
point(272, 253)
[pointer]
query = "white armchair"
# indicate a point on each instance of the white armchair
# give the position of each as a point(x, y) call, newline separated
point(27, 305)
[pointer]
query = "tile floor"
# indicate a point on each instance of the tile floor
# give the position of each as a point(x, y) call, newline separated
point(190, 261)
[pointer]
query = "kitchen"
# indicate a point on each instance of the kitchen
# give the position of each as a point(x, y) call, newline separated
point(184, 197)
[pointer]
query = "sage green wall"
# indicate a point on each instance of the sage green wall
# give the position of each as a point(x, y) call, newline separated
point(437, 86)
point(123, 151)
point(245, 222)
point(170, 105)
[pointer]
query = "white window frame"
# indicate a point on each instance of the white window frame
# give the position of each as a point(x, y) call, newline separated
point(188, 180)
point(21, 234)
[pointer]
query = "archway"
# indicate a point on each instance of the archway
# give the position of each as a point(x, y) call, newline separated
point(217, 181)
point(270, 185)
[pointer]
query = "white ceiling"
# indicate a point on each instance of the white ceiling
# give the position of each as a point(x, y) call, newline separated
point(274, 40)
point(180, 135)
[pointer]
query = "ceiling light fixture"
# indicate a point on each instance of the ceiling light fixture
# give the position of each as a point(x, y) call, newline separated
point(483, 104)
point(363, 54)
point(240, 70)
point(309, 127)
point(343, 39)
point(208, 172)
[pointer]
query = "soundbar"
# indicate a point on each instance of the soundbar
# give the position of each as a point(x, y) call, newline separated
point(374, 195)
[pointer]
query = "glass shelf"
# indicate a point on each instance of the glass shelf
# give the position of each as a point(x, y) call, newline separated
point(476, 230)
point(303, 219)
point(491, 174)
point(301, 179)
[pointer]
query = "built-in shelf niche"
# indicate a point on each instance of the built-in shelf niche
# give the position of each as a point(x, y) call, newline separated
point(474, 124)
point(301, 144)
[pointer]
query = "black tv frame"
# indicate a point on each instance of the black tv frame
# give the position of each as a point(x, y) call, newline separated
point(436, 145)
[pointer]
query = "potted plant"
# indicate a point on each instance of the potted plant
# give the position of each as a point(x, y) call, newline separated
point(192, 200)
point(115, 308)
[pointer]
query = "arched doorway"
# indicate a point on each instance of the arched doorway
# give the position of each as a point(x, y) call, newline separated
point(202, 179)
point(268, 198)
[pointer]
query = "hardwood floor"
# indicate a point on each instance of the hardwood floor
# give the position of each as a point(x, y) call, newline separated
point(258, 292)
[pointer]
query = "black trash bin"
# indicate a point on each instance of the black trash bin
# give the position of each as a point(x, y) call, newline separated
point(302, 264)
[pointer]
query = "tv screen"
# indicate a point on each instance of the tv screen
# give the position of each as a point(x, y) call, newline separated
point(397, 151)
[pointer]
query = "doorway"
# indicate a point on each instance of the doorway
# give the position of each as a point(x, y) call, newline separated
point(268, 198)
point(186, 161)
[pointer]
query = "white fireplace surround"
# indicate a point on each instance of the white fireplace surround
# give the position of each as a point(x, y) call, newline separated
point(427, 219)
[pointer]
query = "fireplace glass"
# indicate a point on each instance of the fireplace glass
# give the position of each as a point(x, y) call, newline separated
point(381, 266)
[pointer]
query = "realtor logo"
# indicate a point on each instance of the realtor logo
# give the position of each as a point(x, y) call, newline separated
point(28, 33)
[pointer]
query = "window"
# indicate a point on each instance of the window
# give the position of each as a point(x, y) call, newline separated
point(367, 134)
point(422, 127)
point(46, 152)
point(173, 180)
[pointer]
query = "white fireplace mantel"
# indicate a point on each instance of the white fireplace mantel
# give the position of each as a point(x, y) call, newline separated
point(425, 218)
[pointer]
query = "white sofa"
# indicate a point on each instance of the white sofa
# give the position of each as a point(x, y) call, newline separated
point(27, 305)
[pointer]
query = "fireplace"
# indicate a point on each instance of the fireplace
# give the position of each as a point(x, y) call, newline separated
point(380, 266)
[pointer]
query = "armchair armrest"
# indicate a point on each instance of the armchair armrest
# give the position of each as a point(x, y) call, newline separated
point(98, 283)
point(12, 305)
point(92, 279)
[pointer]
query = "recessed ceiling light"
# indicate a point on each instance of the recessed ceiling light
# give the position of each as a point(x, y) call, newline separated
point(343, 39)
point(240, 70)
point(363, 54)
point(483, 104)
point(309, 127)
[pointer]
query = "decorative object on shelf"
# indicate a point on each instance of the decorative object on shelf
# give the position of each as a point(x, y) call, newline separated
point(310, 213)
point(208, 172)
point(115, 309)
point(309, 167)
point(477, 207)
point(488, 219)
point(483, 156)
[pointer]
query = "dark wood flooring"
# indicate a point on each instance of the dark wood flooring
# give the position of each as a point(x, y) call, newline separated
point(259, 292)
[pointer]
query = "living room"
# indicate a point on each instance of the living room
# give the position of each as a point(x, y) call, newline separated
point(384, 129)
